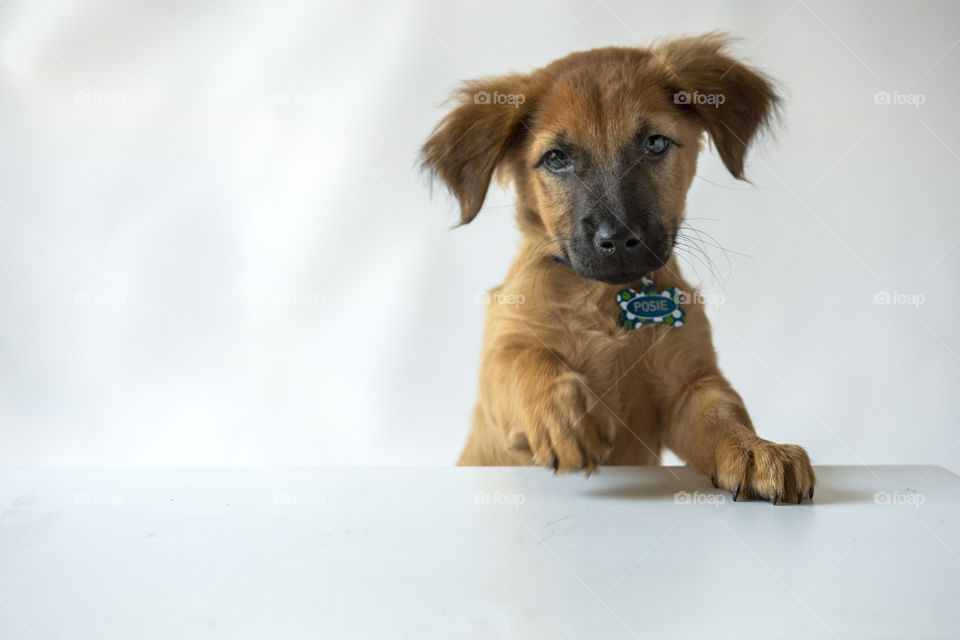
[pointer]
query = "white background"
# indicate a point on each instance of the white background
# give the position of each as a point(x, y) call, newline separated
point(216, 249)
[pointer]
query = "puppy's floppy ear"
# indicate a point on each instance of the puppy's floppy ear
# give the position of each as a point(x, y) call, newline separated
point(471, 141)
point(732, 100)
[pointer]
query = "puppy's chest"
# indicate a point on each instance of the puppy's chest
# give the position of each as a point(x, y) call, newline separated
point(625, 342)
point(635, 349)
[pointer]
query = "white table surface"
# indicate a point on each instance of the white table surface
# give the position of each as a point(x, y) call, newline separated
point(473, 553)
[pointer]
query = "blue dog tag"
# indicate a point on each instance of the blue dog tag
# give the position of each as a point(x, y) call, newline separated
point(650, 305)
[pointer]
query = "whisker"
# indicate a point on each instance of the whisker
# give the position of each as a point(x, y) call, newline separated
point(693, 267)
point(717, 184)
point(698, 237)
point(705, 261)
point(721, 248)
point(694, 244)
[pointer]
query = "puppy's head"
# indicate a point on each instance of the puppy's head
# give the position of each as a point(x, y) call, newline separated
point(602, 146)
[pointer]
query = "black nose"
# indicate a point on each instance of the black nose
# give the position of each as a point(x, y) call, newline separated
point(610, 240)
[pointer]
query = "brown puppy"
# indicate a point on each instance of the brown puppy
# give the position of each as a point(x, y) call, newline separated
point(601, 147)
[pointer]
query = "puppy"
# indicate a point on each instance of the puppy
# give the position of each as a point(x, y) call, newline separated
point(608, 360)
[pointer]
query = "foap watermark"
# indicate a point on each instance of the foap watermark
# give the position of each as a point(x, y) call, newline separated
point(504, 99)
point(685, 497)
point(99, 99)
point(698, 297)
point(298, 499)
point(698, 98)
point(298, 299)
point(899, 298)
point(99, 499)
point(509, 299)
point(99, 298)
point(499, 498)
point(909, 498)
point(899, 98)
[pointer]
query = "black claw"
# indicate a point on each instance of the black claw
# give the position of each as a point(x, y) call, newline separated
point(811, 493)
point(555, 464)
point(776, 497)
point(736, 492)
point(799, 497)
point(713, 479)
point(609, 444)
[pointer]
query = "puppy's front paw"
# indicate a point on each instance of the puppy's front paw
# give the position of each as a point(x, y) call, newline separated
point(764, 470)
point(569, 429)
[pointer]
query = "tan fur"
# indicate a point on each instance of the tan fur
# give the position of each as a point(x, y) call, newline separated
point(561, 383)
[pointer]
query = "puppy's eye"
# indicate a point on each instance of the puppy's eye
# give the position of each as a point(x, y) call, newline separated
point(656, 145)
point(557, 161)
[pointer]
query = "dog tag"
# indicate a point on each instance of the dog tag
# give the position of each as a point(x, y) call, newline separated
point(650, 305)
